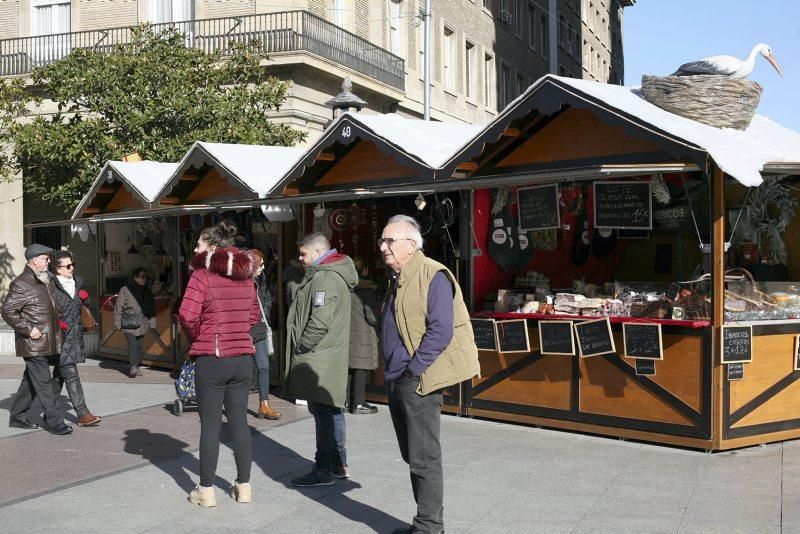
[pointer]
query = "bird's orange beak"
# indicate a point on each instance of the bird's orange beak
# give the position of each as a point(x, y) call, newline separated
point(774, 62)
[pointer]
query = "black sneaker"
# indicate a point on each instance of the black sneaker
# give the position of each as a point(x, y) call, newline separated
point(314, 478)
point(341, 471)
point(364, 409)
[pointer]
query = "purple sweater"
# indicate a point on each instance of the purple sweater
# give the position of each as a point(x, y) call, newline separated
point(437, 337)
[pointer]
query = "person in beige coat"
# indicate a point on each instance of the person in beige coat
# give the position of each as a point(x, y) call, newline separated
point(135, 299)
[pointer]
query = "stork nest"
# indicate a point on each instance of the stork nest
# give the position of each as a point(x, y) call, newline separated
point(718, 101)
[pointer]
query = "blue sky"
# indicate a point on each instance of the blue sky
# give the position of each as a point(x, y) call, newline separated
point(660, 35)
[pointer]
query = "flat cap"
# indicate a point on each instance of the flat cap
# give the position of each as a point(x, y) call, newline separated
point(36, 250)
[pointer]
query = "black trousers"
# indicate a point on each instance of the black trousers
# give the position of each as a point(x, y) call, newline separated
point(224, 382)
point(357, 385)
point(68, 374)
point(135, 348)
point(416, 420)
point(37, 382)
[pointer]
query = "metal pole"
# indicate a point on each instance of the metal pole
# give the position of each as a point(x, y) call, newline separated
point(427, 61)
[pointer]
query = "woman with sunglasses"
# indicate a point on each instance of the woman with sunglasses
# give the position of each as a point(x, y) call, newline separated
point(70, 296)
point(135, 299)
point(259, 333)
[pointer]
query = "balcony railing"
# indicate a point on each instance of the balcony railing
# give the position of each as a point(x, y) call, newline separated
point(288, 31)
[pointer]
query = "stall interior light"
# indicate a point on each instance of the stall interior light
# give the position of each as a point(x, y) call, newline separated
point(133, 249)
point(319, 210)
point(420, 202)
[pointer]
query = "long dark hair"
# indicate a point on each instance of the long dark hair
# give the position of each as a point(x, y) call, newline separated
point(221, 235)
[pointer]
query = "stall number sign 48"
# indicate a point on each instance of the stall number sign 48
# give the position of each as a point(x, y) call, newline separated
point(346, 132)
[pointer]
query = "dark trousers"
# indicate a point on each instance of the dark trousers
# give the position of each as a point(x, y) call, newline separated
point(331, 436)
point(416, 422)
point(68, 374)
point(357, 386)
point(135, 348)
point(37, 382)
point(262, 369)
point(224, 382)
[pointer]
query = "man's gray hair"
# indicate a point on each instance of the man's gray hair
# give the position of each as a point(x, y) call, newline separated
point(316, 241)
point(413, 232)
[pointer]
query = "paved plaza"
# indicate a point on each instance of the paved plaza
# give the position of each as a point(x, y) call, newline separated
point(133, 472)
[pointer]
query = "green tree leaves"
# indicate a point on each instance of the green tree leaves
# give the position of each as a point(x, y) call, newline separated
point(152, 95)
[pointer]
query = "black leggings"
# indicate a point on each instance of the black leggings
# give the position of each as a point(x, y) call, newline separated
point(218, 382)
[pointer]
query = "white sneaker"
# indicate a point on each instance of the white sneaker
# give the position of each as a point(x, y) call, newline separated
point(242, 492)
point(205, 497)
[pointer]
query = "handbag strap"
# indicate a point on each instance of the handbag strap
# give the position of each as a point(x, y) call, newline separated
point(261, 309)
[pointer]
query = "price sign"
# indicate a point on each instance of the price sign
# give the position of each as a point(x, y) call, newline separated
point(797, 353)
point(737, 344)
point(513, 335)
point(646, 367)
point(623, 205)
point(555, 337)
point(642, 340)
point(538, 207)
point(485, 334)
point(735, 371)
point(594, 338)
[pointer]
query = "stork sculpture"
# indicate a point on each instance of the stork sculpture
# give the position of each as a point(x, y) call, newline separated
point(728, 65)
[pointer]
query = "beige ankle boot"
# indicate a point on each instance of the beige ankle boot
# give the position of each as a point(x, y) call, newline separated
point(242, 492)
point(205, 497)
point(266, 411)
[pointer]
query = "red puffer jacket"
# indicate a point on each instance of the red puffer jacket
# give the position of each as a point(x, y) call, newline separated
point(219, 305)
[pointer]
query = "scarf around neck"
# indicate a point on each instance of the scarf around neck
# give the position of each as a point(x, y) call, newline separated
point(144, 297)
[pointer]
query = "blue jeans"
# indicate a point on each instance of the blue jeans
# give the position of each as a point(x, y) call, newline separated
point(262, 368)
point(331, 436)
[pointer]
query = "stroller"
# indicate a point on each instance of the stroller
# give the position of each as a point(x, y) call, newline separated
point(184, 387)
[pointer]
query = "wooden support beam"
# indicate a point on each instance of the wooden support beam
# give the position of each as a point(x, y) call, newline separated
point(467, 166)
point(105, 190)
point(170, 201)
point(91, 211)
point(188, 178)
point(717, 302)
point(326, 156)
point(511, 132)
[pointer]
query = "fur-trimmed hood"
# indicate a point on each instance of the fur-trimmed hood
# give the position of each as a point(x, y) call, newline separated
point(231, 263)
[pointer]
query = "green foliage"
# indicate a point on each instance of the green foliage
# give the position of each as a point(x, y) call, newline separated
point(152, 95)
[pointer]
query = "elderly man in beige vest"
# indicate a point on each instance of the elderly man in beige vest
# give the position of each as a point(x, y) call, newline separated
point(424, 349)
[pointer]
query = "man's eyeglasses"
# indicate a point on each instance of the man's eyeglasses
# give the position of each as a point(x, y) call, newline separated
point(68, 266)
point(389, 240)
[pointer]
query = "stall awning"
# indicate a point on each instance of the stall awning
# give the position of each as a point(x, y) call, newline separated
point(763, 147)
point(359, 150)
point(211, 172)
point(124, 186)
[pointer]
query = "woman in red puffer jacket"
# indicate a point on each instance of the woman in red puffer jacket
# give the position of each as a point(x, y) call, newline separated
point(217, 311)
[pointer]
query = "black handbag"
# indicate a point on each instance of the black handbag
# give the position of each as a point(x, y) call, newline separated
point(130, 319)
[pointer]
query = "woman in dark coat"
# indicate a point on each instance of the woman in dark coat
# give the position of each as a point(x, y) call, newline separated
point(70, 296)
point(364, 324)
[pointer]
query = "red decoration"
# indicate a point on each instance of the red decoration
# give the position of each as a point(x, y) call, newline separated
point(83, 294)
point(63, 324)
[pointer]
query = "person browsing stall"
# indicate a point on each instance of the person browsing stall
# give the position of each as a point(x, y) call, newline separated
point(135, 314)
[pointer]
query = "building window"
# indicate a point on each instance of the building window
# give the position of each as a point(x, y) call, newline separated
point(521, 84)
point(542, 33)
point(562, 70)
point(519, 17)
point(487, 4)
point(338, 12)
point(421, 44)
point(469, 70)
point(532, 25)
point(505, 86)
point(448, 55)
point(50, 17)
point(171, 10)
point(395, 35)
point(488, 81)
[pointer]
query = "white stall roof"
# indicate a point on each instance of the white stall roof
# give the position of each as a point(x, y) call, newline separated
point(431, 141)
point(144, 179)
point(740, 154)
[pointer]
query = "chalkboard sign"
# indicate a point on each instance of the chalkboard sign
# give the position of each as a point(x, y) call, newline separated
point(538, 207)
point(642, 340)
point(737, 344)
point(555, 337)
point(797, 353)
point(513, 335)
point(735, 371)
point(594, 337)
point(623, 205)
point(484, 332)
point(646, 367)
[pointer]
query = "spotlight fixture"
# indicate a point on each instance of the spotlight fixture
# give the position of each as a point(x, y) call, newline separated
point(420, 202)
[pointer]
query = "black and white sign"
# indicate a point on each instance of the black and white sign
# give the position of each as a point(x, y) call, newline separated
point(645, 367)
point(513, 335)
point(594, 338)
point(485, 334)
point(623, 205)
point(797, 353)
point(642, 340)
point(737, 344)
point(735, 371)
point(538, 207)
point(556, 337)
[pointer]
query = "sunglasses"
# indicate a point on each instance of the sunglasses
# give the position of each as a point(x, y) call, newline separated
point(68, 266)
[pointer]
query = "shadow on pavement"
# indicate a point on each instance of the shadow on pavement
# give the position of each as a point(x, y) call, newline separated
point(282, 464)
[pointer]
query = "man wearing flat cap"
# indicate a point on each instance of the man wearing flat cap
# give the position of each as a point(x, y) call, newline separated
point(30, 309)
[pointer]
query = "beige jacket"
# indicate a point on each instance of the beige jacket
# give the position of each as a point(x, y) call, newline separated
point(459, 361)
point(125, 299)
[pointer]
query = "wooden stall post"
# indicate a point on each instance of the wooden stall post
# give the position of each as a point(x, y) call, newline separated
point(717, 301)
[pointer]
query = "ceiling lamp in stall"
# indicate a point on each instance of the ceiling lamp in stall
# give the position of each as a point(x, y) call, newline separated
point(278, 212)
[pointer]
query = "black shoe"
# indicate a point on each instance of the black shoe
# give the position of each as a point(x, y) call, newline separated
point(22, 422)
point(61, 430)
point(362, 409)
point(314, 478)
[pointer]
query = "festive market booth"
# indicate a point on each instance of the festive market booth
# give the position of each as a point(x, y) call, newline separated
point(367, 168)
point(617, 280)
